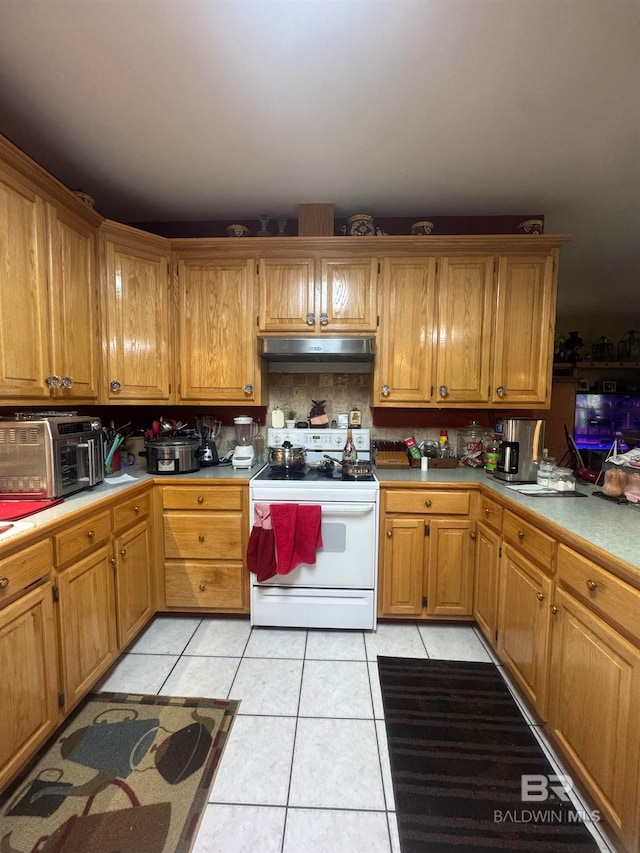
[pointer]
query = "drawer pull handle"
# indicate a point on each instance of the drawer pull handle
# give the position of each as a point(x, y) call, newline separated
point(200, 499)
point(540, 596)
point(91, 534)
point(427, 503)
point(201, 537)
point(592, 585)
point(4, 583)
point(123, 553)
point(136, 509)
point(201, 587)
point(554, 610)
point(520, 534)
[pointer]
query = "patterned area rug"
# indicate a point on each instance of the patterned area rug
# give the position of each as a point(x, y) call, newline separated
point(127, 773)
point(459, 748)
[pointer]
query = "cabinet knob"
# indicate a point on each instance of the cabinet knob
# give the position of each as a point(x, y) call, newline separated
point(310, 318)
point(324, 319)
point(501, 391)
point(53, 381)
point(520, 534)
point(472, 535)
point(248, 388)
point(112, 561)
point(443, 390)
point(427, 502)
point(385, 390)
point(201, 587)
point(389, 534)
point(200, 499)
point(91, 534)
point(201, 537)
point(540, 596)
point(4, 583)
point(67, 381)
point(114, 385)
point(592, 585)
point(554, 610)
point(123, 552)
point(136, 509)
point(487, 511)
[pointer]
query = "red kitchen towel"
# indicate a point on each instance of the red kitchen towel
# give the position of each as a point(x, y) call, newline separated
point(298, 534)
point(261, 550)
point(13, 510)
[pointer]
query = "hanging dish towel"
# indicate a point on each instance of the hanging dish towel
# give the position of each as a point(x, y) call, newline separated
point(298, 534)
point(261, 550)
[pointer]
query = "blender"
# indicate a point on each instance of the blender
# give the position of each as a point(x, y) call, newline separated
point(243, 453)
point(208, 429)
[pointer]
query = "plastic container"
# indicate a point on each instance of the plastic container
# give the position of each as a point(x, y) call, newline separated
point(562, 480)
point(545, 468)
point(471, 446)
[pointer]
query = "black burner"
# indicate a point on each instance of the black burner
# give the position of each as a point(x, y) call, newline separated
point(282, 473)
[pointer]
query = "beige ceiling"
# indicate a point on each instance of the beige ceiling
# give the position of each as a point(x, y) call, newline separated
point(216, 109)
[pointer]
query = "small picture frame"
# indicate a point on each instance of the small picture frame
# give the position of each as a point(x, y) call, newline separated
point(608, 387)
point(583, 385)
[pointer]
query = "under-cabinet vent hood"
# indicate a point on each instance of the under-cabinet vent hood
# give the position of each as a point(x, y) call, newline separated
point(308, 350)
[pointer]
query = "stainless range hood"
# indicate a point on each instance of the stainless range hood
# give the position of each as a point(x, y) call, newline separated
point(310, 349)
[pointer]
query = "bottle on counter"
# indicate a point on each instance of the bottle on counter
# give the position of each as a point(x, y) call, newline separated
point(491, 453)
point(412, 448)
point(349, 452)
point(445, 448)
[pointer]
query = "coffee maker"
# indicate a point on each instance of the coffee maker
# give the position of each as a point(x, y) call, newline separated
point(521, 444)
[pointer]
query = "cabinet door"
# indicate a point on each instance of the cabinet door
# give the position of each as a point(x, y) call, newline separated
point(73, 305)
point(134, 581)
point(87, 623)
point(348, 295)
point(450, 567)
point(485, 599)
point(217, 331)
point(465, 314)
point(136, 287)
point(24, 339)
point(524, 329)
point(29, 678)
point(402, 570)
point(403, 368)
point(594, 706)
point(287, 295)
point(524, 624)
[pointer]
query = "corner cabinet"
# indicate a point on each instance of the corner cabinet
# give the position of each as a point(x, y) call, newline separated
point(136, 315)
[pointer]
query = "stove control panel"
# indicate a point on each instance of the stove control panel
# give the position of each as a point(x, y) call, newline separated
point(320, 440)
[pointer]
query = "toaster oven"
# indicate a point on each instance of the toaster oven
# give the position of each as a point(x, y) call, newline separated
point(49, 454)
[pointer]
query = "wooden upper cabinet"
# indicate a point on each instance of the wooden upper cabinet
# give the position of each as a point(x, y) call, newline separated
point(403, 369)
point(325, 295)
point(287, 294)
point(136, 296)
point(465, 319)
point(348, 295)
point(24, 347)
point(524, 330)
point(217, 349)
point(73, 306)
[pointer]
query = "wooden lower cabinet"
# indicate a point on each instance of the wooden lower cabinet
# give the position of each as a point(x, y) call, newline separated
point(29, 678)
point(524, 625)
point(594, 710)
point(205, 542)
point(486, 581)
point(134, 581)
point(87, 617)
point(427, 562)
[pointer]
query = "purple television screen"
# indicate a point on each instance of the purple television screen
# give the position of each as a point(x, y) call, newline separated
point(600, 416)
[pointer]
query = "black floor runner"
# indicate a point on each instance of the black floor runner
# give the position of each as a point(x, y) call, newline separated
point(459, 747)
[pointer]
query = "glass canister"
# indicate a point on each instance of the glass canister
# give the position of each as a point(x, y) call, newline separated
point(471, 445)
point(562, 480)
point(545, 468)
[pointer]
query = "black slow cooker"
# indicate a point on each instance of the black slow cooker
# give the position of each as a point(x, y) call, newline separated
point(172, 455)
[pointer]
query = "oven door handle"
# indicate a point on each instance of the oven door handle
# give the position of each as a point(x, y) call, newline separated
point(346, 509)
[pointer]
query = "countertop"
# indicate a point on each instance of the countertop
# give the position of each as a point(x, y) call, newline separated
point(611, 528)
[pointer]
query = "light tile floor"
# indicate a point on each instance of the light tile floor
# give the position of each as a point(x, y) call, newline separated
point(306, 769)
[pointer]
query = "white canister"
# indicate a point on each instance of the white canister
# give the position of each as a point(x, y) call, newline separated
point(277, 419)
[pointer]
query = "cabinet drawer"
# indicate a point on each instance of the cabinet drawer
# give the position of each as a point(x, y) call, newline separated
point(529, 540)
point(491, 513)
point(82, 538)
point(207, 497)
point(204, 536)
point(428, 501)
point(24, 568)
point(615, 600)
point(209, 585)
point(127, 513)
